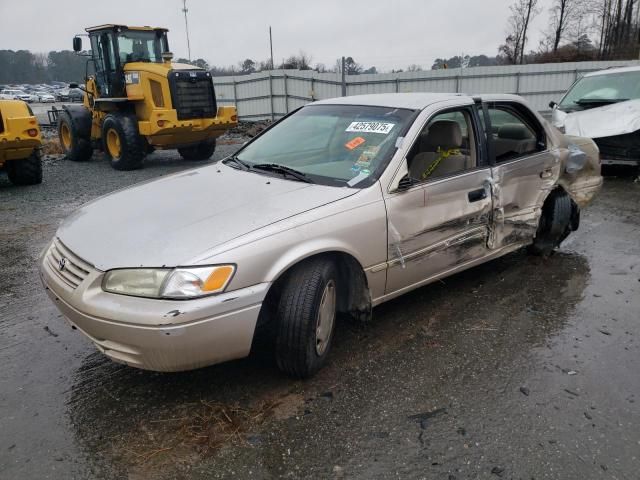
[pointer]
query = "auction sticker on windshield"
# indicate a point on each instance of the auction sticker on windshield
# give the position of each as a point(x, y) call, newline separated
point(370, 127)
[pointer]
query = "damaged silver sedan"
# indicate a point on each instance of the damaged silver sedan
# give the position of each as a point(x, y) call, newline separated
point(342, 205)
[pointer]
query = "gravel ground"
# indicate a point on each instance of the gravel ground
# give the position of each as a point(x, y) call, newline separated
point(521, 368)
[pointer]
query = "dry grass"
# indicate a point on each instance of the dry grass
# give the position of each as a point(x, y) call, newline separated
point(204, 429)
point(51, 146)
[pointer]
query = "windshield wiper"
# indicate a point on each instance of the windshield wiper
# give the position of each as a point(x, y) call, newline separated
point(237, 161)
point(274, 167)
point(586, 101)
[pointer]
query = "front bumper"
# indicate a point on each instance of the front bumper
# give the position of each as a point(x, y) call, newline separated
point(630, 162)
point(174, 132)
point(159, 335)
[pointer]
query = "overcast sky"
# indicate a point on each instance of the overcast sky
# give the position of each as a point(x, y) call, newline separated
point(388, 34)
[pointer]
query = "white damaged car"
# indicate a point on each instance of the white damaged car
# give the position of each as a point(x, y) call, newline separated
point(604, 106)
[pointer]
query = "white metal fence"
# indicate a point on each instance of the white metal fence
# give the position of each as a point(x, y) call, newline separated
point(270, 95)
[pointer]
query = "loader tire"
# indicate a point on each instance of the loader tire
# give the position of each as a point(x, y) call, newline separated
point(122, 144)
point(306, 315)
point(555, 224)
point(75, 147)
point(202, 151)
point(27, 171)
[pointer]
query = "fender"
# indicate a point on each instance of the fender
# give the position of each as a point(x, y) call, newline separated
point(81, 118)
point(305, 250)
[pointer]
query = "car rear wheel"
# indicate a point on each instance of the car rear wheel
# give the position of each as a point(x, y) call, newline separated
point(201, 151)
point(27, 171)
point(555, 223)
point(75, 147)
point(306, 318)
point(123, 145)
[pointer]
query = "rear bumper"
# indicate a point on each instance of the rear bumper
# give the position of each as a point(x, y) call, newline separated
point(159, 335)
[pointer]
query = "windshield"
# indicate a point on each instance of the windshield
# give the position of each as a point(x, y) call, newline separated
point(141, 46)
point(332, 144)
point(603, 89)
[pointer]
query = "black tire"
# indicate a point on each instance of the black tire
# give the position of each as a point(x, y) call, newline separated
point(201, 151)
point(297, 318)
point(27, 171)
point(78, 148)
point(555, 223)
point(132, 146)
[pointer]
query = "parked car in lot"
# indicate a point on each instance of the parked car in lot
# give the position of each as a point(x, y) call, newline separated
point(9, 94)
point(70, 95)
point(605, 106)
point(44, 97)
point(342, 205)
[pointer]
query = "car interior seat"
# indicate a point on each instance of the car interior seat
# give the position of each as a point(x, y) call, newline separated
point(514, 139)
point(440, 152)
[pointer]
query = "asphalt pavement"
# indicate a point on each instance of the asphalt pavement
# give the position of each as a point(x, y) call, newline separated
point(522, 368)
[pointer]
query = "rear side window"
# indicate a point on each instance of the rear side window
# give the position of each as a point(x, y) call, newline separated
point(513, 135)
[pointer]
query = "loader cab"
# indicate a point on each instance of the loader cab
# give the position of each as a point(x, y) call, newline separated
point(113, 46)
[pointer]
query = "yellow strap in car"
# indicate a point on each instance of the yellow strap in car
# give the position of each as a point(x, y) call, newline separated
point(442, 154)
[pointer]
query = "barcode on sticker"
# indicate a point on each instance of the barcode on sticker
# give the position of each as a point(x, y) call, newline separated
point(370, 127)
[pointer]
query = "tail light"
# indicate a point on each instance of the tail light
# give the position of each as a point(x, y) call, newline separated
point(32, 132)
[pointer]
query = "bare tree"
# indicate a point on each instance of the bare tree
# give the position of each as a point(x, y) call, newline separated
point(619, 29)
point(522, 14)
point(561, 13)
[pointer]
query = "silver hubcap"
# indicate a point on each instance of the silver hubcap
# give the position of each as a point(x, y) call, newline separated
point(326, 317)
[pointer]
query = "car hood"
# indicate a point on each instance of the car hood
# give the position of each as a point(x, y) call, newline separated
point(609, 120)
point(170, 221)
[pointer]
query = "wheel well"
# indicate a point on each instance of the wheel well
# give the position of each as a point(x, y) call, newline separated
point(354, 297)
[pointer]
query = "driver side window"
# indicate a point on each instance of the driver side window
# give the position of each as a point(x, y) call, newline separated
point(446, 146)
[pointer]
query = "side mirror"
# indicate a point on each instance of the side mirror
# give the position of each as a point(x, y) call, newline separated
point(405, 183)
point(552, 104)
point(77, 44)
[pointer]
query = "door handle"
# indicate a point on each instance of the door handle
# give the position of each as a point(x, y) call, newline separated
point(477, 195)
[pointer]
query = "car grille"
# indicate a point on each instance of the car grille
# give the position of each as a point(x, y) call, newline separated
point(192, 94)
point(74, 270)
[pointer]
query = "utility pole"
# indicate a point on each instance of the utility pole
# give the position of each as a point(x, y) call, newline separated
point(271, 46)
point(186, 26)
point(344, 78)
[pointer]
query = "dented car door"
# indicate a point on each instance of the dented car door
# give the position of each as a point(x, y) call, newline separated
point(441, 221)
point(524, 171)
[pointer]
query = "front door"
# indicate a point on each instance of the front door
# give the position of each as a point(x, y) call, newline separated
point(442, 221)
point(523, 173)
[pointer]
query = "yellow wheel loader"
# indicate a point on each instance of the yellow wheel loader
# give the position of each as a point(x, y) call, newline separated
point(137, 100)
point(20, 143)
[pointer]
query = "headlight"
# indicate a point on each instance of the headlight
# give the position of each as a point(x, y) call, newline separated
point(131, 78)
point(177, 283)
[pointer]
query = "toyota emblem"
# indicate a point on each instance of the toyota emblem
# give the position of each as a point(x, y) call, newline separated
point(62, 263)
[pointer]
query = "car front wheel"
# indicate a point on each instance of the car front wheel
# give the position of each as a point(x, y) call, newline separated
point(306, 318)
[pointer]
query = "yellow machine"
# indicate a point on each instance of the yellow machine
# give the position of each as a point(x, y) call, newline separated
point(20, 143)
point(138, 100)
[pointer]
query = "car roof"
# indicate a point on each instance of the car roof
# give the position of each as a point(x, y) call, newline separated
point(414, 101)
point(613, 71)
